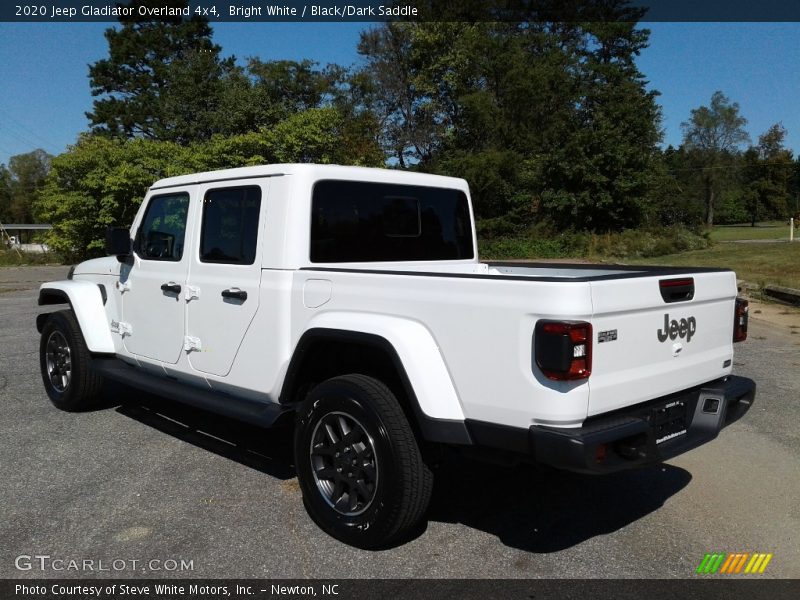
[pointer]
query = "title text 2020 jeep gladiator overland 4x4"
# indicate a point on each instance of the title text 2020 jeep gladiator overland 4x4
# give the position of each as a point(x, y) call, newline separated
point(354, 299)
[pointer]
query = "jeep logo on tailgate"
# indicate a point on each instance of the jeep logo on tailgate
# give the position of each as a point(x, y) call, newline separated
point(673, 329)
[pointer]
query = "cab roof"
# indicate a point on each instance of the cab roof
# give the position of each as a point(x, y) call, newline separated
point(313, 171)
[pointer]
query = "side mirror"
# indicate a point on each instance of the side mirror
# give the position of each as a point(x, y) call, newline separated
point(118, 242)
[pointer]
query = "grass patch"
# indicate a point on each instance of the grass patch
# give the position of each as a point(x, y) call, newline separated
point(762, 264)
point(632, 243)
point(768, 230)
point(506, 248)
point(776, 263)
point(9, 258)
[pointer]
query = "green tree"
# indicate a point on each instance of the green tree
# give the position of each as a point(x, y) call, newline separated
point(605, 172)
point(100, 181)
point(162, 79)
point(547, 119)
point(317, 135)
point(20, 185)
point(716, 133)
point(794, 201)
point(285, 87)
point(677, 199)
point(397, 90)
point(266, 92)
point(5, 194)
point(769, 167)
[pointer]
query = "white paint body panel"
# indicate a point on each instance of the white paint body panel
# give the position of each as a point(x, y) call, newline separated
point(87, 303)
point(416, 348)
point(156, 317)
point(219, 323)
point(637, 364)
point(462, 329)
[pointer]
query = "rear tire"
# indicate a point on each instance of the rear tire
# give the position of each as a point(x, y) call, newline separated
point(360, 469)
point(66, 365)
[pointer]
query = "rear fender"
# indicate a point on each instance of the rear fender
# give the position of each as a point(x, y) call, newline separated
point(86, 301)
point(418, 353)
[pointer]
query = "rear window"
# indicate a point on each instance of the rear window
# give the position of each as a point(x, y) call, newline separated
point(355, 221)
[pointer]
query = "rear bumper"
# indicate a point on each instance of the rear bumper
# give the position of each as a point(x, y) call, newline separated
point(645, 433)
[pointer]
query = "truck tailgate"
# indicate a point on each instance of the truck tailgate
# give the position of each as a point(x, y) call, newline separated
point(636, 359)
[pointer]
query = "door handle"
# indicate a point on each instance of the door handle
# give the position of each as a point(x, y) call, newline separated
point(235, 293)
point(171, 287)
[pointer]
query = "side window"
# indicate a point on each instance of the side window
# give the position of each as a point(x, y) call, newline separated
point(163, 229)
point(229, 232)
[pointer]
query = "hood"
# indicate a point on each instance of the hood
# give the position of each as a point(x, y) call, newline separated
point(108, 265)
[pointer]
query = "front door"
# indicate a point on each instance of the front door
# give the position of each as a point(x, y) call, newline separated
point(225, 273)
point(152, 288)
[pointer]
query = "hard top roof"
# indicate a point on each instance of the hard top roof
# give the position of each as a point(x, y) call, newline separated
point(315, 172)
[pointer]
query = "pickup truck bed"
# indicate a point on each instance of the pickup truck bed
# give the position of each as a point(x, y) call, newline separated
point(495, 306)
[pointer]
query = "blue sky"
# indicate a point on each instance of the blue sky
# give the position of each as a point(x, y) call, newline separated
point(45, 89)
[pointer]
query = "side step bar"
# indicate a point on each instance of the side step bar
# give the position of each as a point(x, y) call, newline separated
point(264, 414)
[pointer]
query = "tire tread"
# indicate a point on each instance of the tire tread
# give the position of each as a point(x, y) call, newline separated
point(86, 384)
point(417, 493)
point(414, 477)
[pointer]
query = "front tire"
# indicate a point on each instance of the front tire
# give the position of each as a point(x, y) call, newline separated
point(69, 379)
point(360, 469)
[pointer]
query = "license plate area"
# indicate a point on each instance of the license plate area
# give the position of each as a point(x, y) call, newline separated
point(670, 420)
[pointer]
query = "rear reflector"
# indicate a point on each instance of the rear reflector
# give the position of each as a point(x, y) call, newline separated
point(740, 318)
point(676, 290)
point(563, 349)
point(600, 454)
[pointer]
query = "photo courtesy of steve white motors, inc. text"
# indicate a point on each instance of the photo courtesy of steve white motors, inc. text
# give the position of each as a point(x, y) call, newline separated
point(170, 589)
point(216, 11)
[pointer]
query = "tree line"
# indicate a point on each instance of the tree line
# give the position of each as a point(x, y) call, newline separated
point(551, 122)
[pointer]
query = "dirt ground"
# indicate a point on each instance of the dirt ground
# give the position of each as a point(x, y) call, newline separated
point(776, 314)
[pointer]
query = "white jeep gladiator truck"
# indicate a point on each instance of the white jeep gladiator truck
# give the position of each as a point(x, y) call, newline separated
point(352, 300)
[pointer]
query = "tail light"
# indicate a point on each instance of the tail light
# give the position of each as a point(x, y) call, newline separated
point(563, 349)
point(740, 316)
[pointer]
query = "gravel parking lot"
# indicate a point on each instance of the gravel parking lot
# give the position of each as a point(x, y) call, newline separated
point(148, 480)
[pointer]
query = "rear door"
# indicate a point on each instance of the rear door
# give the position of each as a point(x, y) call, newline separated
point(225, 273)
point(152, 301)
point(657, 335)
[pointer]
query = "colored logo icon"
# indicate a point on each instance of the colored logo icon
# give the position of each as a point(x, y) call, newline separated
point(733, 564)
